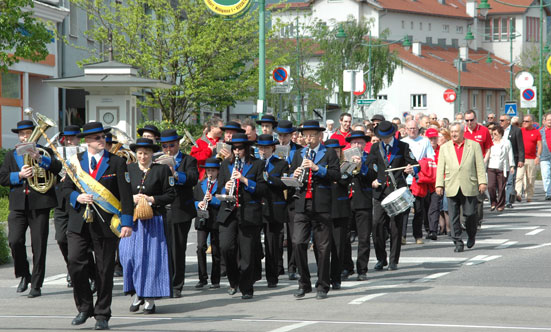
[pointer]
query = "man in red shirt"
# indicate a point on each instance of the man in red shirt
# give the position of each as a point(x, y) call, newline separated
point(344, 130)
point(532, 151)
point(207, 143)
point(477, 132)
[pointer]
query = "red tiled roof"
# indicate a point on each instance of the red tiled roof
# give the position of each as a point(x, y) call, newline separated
point(451, 8)
point(437, 63)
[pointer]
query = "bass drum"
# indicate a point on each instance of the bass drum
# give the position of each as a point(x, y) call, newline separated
point(398, 201)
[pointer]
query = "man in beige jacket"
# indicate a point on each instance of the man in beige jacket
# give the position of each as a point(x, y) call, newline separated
point(462, 173)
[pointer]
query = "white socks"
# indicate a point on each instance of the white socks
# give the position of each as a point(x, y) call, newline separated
point(149, 303)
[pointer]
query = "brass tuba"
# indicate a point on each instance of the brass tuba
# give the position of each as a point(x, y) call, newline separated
point(122, 138)
point(42, 180)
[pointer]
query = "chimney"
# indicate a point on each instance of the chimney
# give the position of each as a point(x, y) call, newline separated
point(464, 53)
point(471, 8)
point(416, 48)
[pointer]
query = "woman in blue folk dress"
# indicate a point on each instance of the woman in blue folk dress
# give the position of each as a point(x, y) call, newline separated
point(144, 255)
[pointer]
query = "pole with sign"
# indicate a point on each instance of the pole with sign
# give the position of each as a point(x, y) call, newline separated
point(528, 97)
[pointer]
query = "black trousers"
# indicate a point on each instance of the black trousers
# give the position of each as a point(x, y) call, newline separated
point(469, 205)
point(420, 217)
point(434, 211)
point(176, 235)
point(79, 258)
point(272, 249)
point(61, 218)
point(291, 263)
point(202, 236)
point(234, 239)
point(363, 220)
point(37, 221)
point(382, 222)
point(321, 225)
point(348, 263)
point(339, 234)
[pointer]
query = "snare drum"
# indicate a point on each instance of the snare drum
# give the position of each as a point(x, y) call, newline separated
point(398, 201)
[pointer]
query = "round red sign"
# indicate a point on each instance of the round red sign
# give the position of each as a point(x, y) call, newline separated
point(449, 95)
point(359, 93)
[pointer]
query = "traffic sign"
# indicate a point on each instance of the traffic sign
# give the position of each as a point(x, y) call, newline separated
point(281, 75)
point(281, 89)
point(449, 95)
point(511, 108)
point(359, 93)
point(524, 80)
point(365, 102)
point(549, 65)
point(352, 80)
point(528, 97)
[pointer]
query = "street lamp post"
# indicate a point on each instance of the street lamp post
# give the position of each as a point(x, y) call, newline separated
point(262, 54)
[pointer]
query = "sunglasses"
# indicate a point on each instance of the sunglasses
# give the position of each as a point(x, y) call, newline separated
point(502, 120)
point(238, 147)
point(526, 121)
point(97, 138)
point(171, 145)
point(469, 120)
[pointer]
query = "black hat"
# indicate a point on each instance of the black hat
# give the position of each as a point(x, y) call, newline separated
point(285, 127)
point(150, 128)
point(71, 130)
point(378, 117)
point(268, 118)
point(144, 143)
point(358, 134)
point(240, 138)
point(266, 140)
point(169, 135)
point(22, 125)
point(333, 143)
point(91, 128)
point(311, 125)
point(211, 163)
point(385, 129)
point(232, 125)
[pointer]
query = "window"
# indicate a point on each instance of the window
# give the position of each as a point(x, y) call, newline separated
point(459, 29)
point(495, 29)
point(430, 26)
point(73, 23)
point(419, 101)
point(420, 25)
point(446, 28)
point(11, 86)
point(532, 29)
point(90, 20)
point(475, 100)
point(499, 29)
point(489, 105)
point(504, 29)
point(411, 25)
point(382, 97)
point(502, 102)
point(403, 24)
point(488, 30)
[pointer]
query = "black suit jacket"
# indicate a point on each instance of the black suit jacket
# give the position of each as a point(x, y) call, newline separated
point(340, 203)
point(183, 207)
point(400, 155)
point(249, 211)
point(214, 204)
point(9, 176)
point(329, 171)
point(158, 183)
point(515, 137)
point(362, 193)
point(113, 175)
point(274, 205)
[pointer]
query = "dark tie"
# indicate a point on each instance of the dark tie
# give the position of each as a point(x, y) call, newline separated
point(312, 155)
point(93, 163)
point(387, 148)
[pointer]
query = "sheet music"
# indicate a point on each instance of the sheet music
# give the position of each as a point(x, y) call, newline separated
point(221, 145)
point(349, 153)
point(25, 148)
point(291, 182)
point(282, 151)
point(68, 151)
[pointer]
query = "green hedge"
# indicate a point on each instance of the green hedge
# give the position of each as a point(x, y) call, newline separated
point(4, 191)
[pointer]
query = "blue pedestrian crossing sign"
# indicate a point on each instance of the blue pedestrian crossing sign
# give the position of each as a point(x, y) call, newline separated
point(511, 108)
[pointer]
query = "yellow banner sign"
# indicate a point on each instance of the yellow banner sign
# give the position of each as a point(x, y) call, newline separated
point(228, 7)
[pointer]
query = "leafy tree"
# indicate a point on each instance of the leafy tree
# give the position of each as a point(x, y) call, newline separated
point(210, 60)
point(352, 53)
point(21, 35)
point(530, 62)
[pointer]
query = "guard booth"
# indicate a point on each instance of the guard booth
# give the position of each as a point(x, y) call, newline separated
point(112, 87)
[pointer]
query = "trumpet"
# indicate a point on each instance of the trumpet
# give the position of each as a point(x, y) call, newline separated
point(230, 197)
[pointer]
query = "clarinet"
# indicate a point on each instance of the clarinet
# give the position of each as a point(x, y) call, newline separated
point(203, 213)
point(230, 197)
point(303, 173)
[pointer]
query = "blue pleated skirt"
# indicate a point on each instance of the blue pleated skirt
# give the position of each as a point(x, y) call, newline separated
point(144, 259)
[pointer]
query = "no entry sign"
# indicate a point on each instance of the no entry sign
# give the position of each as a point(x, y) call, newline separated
point(449, 95)
point(280, 74)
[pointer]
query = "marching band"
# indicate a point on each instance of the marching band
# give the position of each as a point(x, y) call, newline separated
point(232, 187)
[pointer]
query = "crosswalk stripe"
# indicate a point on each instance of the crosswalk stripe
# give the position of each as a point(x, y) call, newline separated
point(538, 246)
point(506, 245)
point(534, 232)
point(366, 298)
point(431, 277)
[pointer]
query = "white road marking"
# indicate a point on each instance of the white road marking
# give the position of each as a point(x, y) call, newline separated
point(292, 327)
point(506, 245)
point(538, 246)
point(431, 277)
point(481, 259)
point(481, 327)
point(525, 214)
point(366, 298)
point(509, 227)
point(484, 241)
point(536, 231)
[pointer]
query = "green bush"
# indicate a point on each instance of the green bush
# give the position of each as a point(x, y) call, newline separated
point(4, 191)
point(4, 246)
point(195, 130)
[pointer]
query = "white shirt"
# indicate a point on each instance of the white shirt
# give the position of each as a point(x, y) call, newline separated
point(506, 132)
point(97, 156)
point(421, 148)
point(501, 156)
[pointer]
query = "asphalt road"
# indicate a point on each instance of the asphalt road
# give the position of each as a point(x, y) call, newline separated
point(503, 283)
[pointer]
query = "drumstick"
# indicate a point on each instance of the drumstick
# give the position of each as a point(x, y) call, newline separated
point(399, 168)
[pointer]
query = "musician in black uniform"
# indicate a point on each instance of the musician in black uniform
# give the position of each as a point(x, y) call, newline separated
point(267, 124)
point(205, 194)
point(151, 132)
point(361, 203)
point(396, 154)
point(340, 213)
point(241, 220)
point(274, 209)
point(318, 167)
point(28, 209)
point(182, 210)
point(111, 173)
point(285, 132)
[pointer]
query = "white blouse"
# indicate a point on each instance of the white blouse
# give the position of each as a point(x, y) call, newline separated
point(501, 156)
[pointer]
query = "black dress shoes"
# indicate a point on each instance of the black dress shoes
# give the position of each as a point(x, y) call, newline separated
point(35, 292)
point(23, 284)
point(292, 276)
point(200, 284)
point(232, 291)
point(301, 292)
point(101, 324)
point(136, 306)
point(336, 285)
point(176, 293)
point(380, 264)
point(80, 318)
point(470, 242)
point(320, 295)
point(393, 267)
point(432, 236)
point(272, 284)
point(345, 274)
point(362, 277)
point(149, 311)
point(459, 247)
point(246, 296)
point(214, 286)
